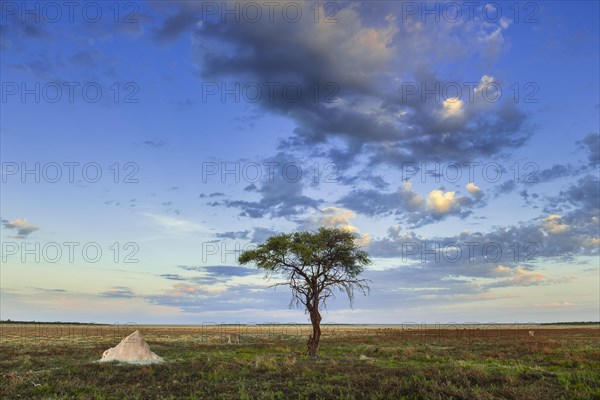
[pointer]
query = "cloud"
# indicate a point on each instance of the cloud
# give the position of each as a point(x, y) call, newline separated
point(553, 224)
point(465, 296)
point(361, 65)
point(239, 299)
point(502, 270)
point(281, 194)
point(549, 174)
point(591, 143)
point(175, 24)
point(522, 277)
point(119, 292)
point(173, 277)
point(453, 107)
point(24, 228)
point(593, 242)
point(199, 291)
point(560, 237)
point(15, 29)
point(257, 235)
point(154, 143)
point(217, 274)
point(220, 288)
point(88, 58)
point(335, 217)
point(532, 175)
point(579, 205)
point(378, 203)
point(556, 304)
point(474, 189)
point(233, 235)
point(50, 290)
point(410, 206)
point(173, 225)
point(441, 202)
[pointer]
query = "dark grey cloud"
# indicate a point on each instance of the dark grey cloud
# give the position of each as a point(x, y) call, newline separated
point(376, 203)
point(569, 227)
point(481, 130)
point(119, 292)
point(173, 277)
point(216, 194)
point(15, 29)
point(579, 206)
point(468, 266)
point(591, 143)
point(233, 235)
point(20, 29)
point(173, 25)
point(49, 290)
point(583, 194)
point(281, 193)
point(285, 206)
point(410, 207)
point(360, 67)
point(256, 235)
point(505, 187)
point(533, 176)
point(87, 58)
point(554, 172)
point(419, 285)
point(220, 271)
point(364, 176)
point(154, 143)
point(530, 175)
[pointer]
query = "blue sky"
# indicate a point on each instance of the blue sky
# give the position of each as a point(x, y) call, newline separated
point(143, 143)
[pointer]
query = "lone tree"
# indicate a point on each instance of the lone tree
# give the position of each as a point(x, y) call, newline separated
point(314, 265)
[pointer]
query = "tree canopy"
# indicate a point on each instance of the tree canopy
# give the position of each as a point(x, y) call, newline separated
point(314, 265)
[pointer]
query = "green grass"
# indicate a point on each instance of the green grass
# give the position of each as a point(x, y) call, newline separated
point(374, 366)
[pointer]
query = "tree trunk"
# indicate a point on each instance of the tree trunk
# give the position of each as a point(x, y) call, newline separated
point(313, 340)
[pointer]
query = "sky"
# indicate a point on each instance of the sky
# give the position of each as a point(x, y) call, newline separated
point(145, 144)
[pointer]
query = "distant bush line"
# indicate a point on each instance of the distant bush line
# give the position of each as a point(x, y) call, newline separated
point(8, 321)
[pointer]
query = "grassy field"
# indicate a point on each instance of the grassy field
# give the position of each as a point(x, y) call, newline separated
point(558, 362)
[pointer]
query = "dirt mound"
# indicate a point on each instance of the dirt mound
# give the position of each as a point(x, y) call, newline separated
point(133, 349)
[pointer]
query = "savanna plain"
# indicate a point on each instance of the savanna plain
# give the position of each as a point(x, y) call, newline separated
point(269, 362)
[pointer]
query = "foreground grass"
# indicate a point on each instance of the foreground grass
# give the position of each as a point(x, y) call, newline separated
point(559, 365)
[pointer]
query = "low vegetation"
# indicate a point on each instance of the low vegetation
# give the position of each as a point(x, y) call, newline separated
point(374, 363)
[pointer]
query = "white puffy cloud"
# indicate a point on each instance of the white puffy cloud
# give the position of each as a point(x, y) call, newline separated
point(337, 217)
point(441, 202)
point(453, 106)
